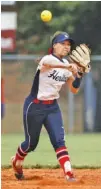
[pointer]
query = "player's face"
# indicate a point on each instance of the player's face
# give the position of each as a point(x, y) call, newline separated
point(62, 49)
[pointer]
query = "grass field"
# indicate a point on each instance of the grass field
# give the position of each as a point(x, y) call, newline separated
point(84, 149)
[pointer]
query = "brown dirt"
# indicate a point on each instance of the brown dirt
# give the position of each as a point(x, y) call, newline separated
point(52, 179)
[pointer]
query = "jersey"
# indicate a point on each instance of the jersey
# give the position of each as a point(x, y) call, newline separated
point(47, 84)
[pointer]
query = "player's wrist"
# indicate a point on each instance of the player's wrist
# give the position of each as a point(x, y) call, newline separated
point(76, 83)
point(80, 74)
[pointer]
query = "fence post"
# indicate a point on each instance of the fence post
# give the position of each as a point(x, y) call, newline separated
point(70, 112)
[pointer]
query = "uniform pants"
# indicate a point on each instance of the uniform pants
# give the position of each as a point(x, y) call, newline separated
point(37, 115)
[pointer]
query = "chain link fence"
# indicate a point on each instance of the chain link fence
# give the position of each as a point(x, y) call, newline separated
point(81, 112)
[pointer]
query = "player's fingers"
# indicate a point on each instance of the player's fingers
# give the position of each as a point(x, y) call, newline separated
point(73, 68)
point(69, 66)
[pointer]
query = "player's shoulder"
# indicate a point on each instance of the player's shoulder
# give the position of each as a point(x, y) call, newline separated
point(47, 57)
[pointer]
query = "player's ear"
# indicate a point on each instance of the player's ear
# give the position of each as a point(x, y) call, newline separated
point(54, 46)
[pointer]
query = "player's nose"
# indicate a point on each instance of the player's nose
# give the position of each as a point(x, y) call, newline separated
point(67, 48)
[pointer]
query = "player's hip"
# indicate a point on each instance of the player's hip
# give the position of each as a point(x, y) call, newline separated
point(33, 105)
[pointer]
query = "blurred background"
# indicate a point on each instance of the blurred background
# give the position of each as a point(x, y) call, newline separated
point(24, 39)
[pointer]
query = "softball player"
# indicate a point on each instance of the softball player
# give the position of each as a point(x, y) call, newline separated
point(41, 107)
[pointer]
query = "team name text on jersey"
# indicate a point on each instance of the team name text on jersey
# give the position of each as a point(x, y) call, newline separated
point(55, 75)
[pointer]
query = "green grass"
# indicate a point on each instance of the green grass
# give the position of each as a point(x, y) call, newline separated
point(84, 149)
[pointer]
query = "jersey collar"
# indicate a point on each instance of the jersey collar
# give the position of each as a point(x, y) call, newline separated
point(58, 58)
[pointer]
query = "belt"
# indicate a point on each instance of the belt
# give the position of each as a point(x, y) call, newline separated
point(36, 101)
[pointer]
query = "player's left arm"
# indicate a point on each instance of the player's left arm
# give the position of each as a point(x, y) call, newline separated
point(74, 83)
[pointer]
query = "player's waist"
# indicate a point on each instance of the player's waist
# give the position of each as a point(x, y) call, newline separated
point(37, 101)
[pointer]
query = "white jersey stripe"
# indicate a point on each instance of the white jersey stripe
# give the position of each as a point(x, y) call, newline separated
point(27, 125)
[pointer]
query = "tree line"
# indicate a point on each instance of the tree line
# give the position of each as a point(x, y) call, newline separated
point(81, 19)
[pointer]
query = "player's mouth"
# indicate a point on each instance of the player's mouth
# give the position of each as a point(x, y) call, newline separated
point(65, 51)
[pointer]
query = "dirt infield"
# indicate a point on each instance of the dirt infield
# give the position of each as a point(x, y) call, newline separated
point(51, 179)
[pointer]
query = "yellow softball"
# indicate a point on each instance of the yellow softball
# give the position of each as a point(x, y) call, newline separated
point(46, 16)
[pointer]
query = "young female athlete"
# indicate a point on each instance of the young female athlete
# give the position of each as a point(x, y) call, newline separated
point(41, 106)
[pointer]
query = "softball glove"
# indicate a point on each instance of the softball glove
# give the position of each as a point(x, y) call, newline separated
point(81, 56)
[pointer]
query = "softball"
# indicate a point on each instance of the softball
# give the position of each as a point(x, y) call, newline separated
point(46, 16)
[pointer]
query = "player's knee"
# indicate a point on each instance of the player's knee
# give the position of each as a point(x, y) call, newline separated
point(59, 140)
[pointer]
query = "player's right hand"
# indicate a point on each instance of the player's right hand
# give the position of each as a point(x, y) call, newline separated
point(72, 68)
